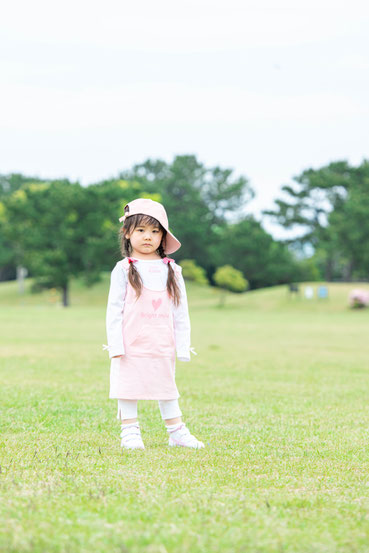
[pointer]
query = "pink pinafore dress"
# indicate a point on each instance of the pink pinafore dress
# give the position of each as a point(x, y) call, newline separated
point(147, 369)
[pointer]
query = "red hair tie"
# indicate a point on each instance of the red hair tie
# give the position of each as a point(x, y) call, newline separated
point(131, 260)
point(167, 260)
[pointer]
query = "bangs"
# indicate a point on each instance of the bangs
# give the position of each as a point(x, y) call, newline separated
point(142, 220)
point(146, 220)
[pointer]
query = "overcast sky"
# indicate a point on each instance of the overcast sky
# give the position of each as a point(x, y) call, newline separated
point(267, 87)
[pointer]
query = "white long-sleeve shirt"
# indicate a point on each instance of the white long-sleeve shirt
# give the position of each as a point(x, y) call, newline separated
point(154, 275)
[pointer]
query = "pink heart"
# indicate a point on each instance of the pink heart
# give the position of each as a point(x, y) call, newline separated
point(156, 303)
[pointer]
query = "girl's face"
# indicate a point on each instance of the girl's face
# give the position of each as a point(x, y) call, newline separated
point(145, 240)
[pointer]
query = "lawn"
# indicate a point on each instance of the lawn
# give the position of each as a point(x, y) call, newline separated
point(278, 393)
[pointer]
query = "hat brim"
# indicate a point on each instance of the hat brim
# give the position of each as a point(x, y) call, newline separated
point(171, 243)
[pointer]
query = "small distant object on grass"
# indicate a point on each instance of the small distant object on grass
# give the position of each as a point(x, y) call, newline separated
point(192, 271)
point(358, 299)
point(293, 289)
point(227, 278)
point(22, 273)
point(309, 292)
point(323, 292)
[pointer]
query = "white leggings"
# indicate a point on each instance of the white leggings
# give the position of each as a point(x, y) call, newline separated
point(169, 409)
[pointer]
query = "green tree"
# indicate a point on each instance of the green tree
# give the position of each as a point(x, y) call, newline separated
point(249, 248)
point(350, 228)
point(7, 257)
point(192, 271)
point(328, 207)
point(49, 227)
point(8, 185)
point(231, 279)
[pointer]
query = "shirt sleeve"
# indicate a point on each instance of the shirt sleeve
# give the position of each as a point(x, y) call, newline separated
point(182, 325)
point(114, 311)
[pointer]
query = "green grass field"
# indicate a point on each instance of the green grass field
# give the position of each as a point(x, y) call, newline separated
point(278, 393)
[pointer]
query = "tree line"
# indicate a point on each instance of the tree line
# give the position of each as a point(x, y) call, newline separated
point(329, 210)
point(59, 229)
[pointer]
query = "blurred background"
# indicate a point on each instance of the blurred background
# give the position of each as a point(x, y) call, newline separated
point(248, 120)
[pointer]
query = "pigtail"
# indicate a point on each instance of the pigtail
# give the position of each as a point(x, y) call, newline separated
point(135, 279)
point(134, 276)
point(172, 283)
point(172, 286)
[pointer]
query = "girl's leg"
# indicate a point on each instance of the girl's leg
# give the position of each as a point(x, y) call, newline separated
point(170, 411)
point(127, 410)
point(178, 431)
point(131, 435)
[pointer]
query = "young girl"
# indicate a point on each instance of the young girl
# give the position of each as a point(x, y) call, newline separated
point(147, 321)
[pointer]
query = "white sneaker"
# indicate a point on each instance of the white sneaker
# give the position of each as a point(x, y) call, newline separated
point(183, 437)
point(131, 437)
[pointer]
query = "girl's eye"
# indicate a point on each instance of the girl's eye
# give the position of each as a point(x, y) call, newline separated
point(142, 230)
